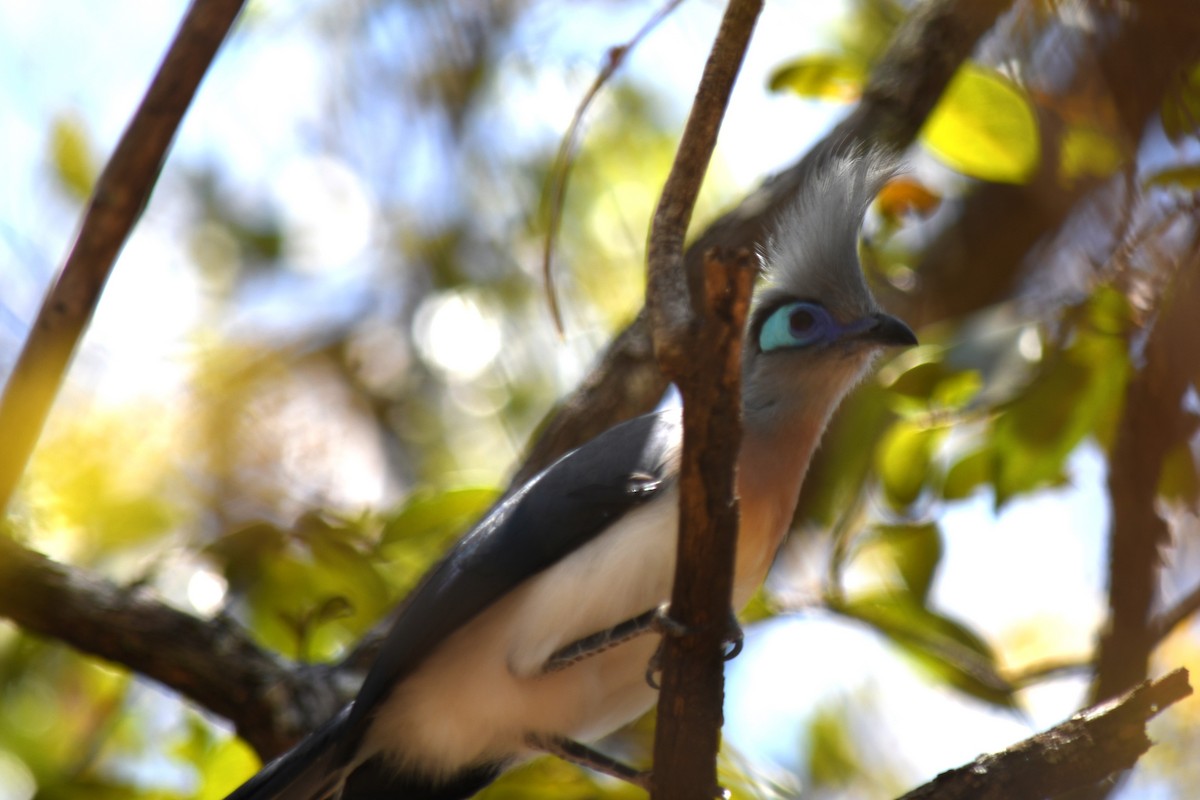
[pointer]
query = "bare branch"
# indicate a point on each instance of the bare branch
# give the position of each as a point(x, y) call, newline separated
point(689, 711)
point(1086, 749)
point(1152, 422)
point(117, 201)
point(210, 662)
point(689, 721)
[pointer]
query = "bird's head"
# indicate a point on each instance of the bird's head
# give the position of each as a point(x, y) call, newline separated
point(815, 328)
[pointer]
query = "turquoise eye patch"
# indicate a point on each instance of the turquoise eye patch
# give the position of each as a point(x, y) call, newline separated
point(798, 324)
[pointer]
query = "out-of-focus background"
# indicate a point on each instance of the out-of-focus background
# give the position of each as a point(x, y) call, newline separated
point(327, 344)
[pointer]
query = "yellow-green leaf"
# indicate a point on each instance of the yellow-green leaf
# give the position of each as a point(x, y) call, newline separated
point(1088, 153)
point(1186, 177)
point(967, 474)
point(947, 650)
point(1181, 109)
point(71, 154)
point(904, 458)
point(826, 77)
point(1178, 482)
point(984, 126)
point(833, 758)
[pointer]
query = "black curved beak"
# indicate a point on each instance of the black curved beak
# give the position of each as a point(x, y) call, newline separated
point(888, 330)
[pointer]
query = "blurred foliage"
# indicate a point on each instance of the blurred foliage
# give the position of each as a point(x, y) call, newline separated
point(364, 350)
point(985, 127)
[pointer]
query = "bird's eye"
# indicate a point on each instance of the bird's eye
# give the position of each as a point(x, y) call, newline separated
point(802, 322)
point(795, 325)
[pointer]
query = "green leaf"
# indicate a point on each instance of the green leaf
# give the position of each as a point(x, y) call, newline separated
point(823, 76)
point(916, 551)
point(984, 126)
point(833, 758)
point(1181, 108)
point(223, 767)
point(946, 649)
point(1186, 176)
point(1178, 482)
point(968, 474)
point(71, 153)
point(845, 456)
point(1088, 152)
point(904, 460)
point(915, 373)
point(1077, 393)
point(428, 514)
point(428, 523)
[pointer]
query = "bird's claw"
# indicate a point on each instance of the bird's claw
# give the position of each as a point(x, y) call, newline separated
point(665, 624)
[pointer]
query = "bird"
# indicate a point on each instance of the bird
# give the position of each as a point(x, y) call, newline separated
point(538, 631)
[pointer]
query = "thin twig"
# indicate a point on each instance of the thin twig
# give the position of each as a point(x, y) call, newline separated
point(560, 172)
point(1050, 669)
point(672, 313)
point(1166, 622)
point(117, 202)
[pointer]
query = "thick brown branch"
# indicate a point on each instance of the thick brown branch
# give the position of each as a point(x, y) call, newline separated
point(689, 711)
point(1152, 423)
point(211, 662)
point(119, 197)
point(689, 722)
point(1084, 750)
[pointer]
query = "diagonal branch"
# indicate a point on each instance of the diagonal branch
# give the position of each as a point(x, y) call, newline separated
point(1086, 749)
point(211, 662)
point(117, 202)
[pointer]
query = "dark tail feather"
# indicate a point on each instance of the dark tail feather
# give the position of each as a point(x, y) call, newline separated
point(376, 780)
point(309, 771)
point(315, 770)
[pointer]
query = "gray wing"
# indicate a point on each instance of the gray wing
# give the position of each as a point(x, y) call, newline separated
point(556, 512)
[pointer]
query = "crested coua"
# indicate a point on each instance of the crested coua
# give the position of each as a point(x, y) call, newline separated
point(536, 632)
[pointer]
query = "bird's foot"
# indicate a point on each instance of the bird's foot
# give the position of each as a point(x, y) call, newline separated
point(665, 624)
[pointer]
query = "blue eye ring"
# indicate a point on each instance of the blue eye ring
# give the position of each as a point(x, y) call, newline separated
point(798, 324)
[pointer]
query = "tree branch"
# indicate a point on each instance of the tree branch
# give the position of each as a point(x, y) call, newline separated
point(689, 720)
point(117, 202)
point(1153, 421)
point(688, 732)
point(1086, 749)
point(211, 662)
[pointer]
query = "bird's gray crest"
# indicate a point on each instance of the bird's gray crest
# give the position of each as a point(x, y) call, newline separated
point(813, 251)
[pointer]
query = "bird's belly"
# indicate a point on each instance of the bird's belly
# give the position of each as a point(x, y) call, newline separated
point(482, 691)
point(465, 704)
